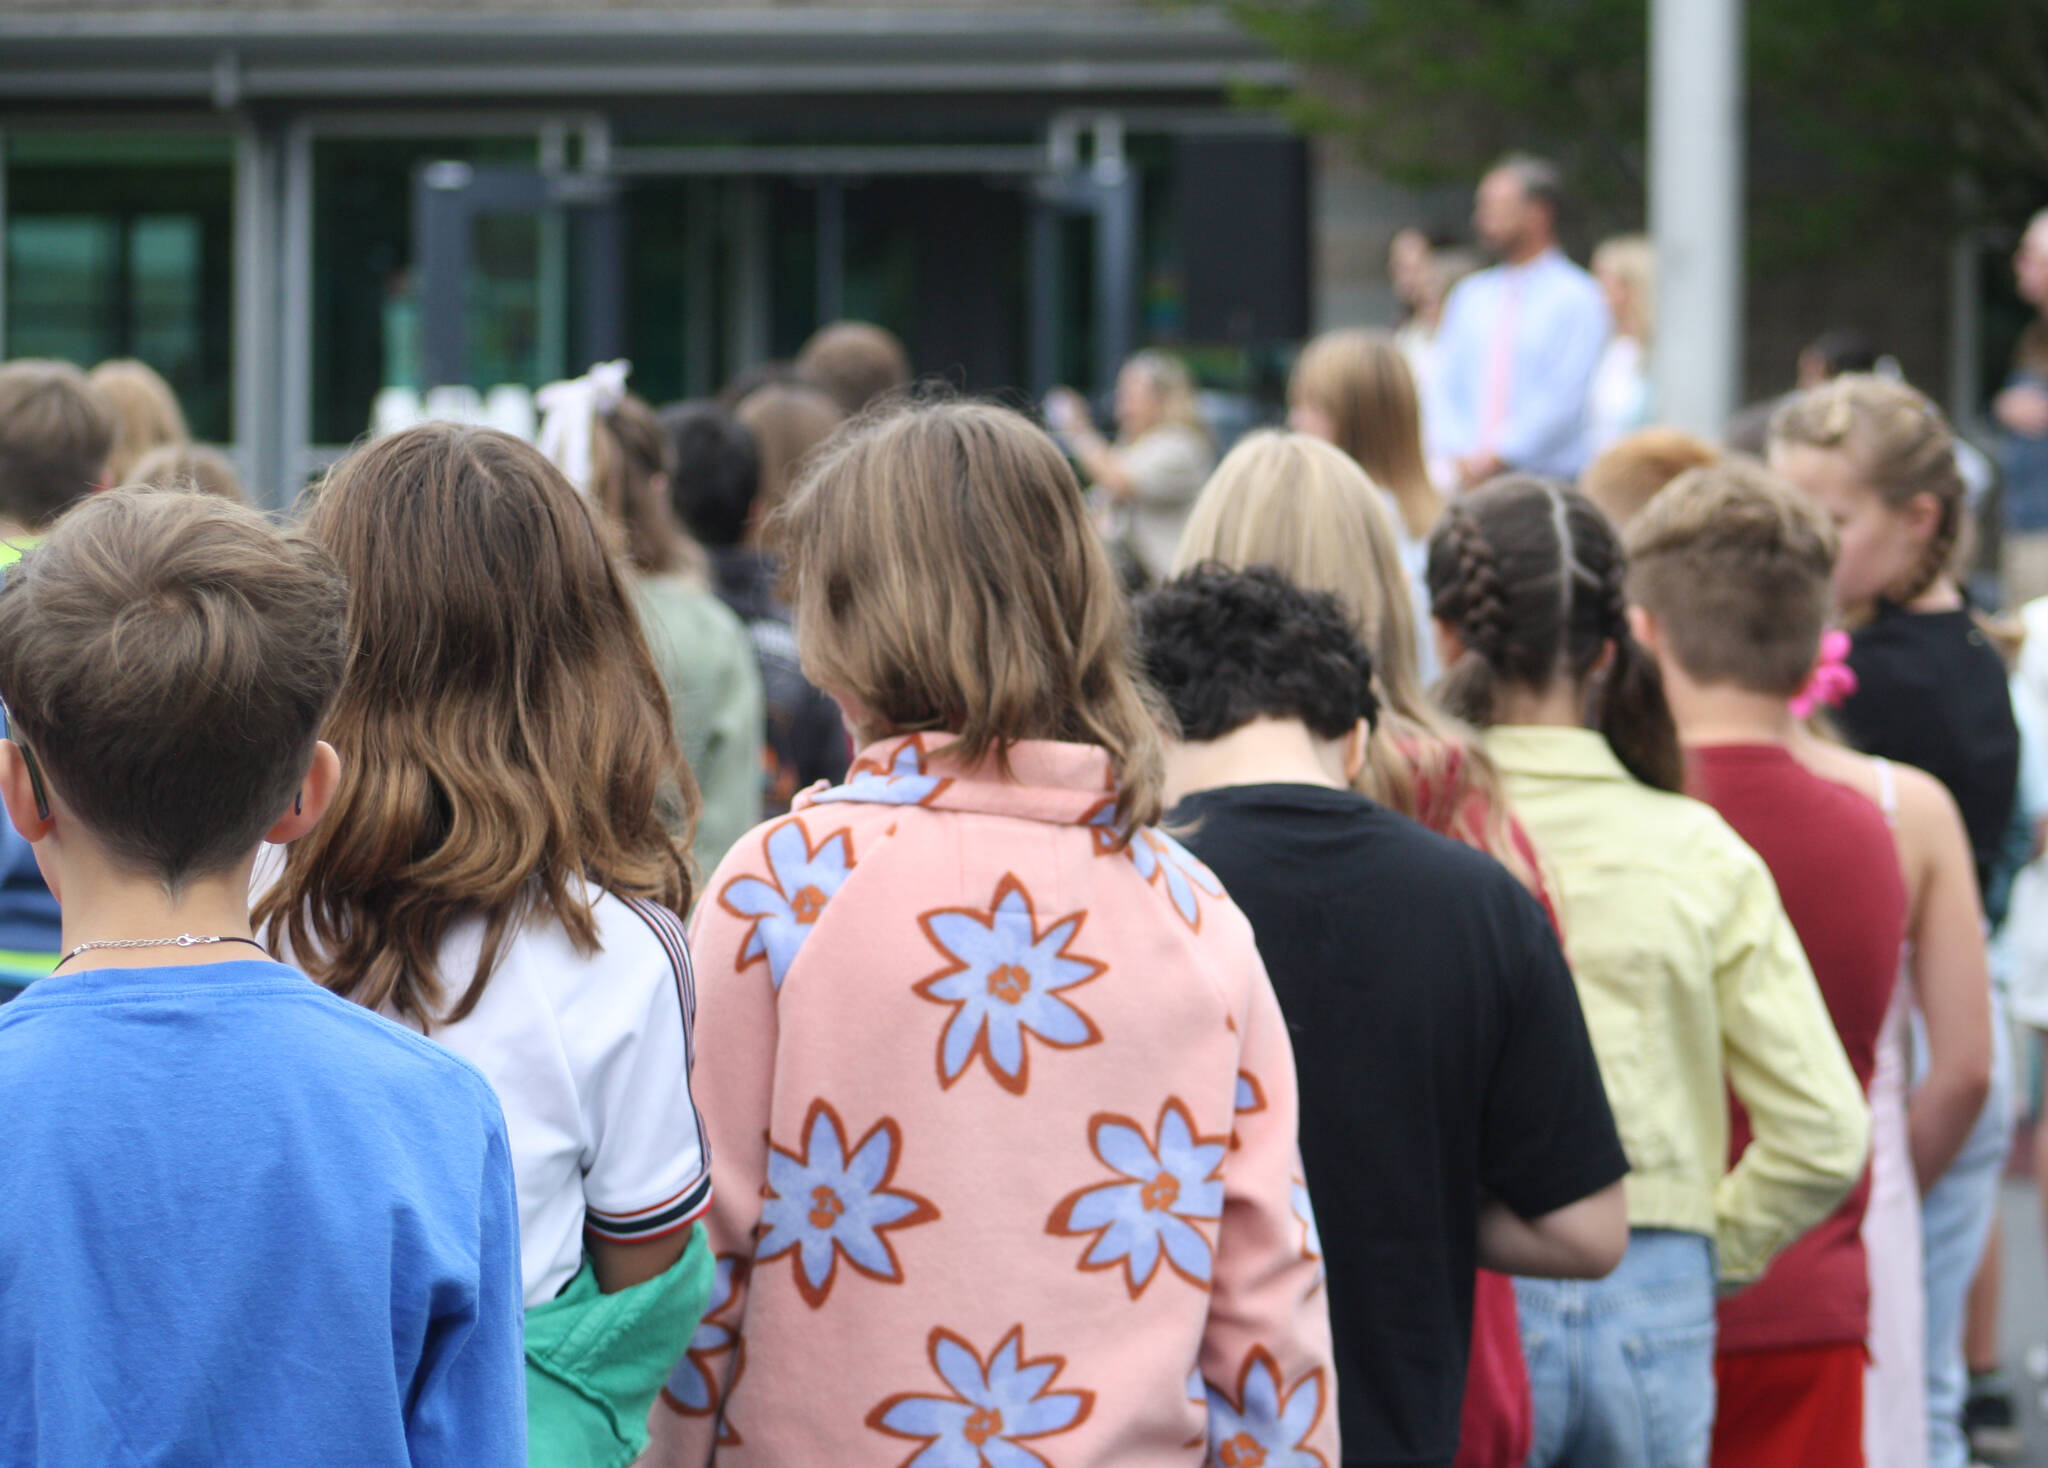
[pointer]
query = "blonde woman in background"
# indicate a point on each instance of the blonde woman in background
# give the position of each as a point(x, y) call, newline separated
point(146, 413)
point(1626, 267)
point(1157, 465)
point(1300, 505)
point(1354, 389)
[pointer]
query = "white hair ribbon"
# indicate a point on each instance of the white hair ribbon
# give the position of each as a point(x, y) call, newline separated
point(569, 413)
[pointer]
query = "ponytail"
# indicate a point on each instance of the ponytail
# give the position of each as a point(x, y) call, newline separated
point(1633, 713)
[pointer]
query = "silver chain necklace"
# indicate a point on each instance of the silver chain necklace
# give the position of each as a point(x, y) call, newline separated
point(183, 940)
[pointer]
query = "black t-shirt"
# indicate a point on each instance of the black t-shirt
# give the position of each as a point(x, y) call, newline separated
point(1441, 1052)
point(1931, 692)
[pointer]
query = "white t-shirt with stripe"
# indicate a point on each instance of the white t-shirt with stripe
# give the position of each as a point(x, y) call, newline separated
point(590, 1057)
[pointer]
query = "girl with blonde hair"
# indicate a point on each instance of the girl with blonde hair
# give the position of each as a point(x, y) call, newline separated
point(1619, 401)
point(497, 870)
point(1294, 502)
point(1002, 1103)
point(1354, 389)
point(146, 413)
point(1932, 693)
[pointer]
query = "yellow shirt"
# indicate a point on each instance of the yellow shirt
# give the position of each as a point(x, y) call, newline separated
point(1693, 982)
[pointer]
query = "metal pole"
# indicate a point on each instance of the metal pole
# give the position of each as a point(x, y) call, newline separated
point(1696, 145)
point(259, 343)
point(442, 213)
point(1114, 183)
point(295, 379)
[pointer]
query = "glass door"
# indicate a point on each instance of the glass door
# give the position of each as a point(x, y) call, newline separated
point(521, 275)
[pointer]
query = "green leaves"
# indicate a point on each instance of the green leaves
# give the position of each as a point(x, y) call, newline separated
point(1863, 113)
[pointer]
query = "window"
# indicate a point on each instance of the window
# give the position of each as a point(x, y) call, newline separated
point(122, 245)
point(365, 302)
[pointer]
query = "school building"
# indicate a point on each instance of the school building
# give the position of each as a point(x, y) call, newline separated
point(287, 206)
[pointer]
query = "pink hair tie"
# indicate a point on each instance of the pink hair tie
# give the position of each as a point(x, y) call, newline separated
point(1832, 679)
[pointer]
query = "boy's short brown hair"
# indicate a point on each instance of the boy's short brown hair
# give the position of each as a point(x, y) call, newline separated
point(56, 431)
point(191, 466)
point(1734, 563)
point(1629, 473)
point(855, 363)
point(168, 658)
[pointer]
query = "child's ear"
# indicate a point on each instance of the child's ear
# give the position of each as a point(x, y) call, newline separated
point(1646, 630)
point(1923, 514)
point(1354, 750)
point(315, 794)
point(1449, 645)
point(18, 791)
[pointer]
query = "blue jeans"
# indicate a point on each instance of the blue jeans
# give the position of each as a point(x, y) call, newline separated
point(1622, 1368)
point(1955, 1219)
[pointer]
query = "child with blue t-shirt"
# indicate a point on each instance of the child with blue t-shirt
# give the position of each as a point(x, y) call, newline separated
point(243, 1220)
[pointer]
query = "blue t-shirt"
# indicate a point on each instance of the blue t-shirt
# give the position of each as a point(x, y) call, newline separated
point(245, 1221)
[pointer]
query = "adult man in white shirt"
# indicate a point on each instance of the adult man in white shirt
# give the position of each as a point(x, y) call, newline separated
point(1519, 342)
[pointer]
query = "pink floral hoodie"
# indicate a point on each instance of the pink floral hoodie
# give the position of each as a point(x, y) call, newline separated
point(1003, 1128)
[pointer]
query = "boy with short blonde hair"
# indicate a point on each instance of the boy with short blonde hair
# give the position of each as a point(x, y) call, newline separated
point(244, 1220)
point(1728, 573)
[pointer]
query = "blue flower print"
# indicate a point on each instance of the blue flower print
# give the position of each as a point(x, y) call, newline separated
point(694, 1386)
point(690, 1386)
point(990, 1410)
point(1251, 1097)
point(1162, 860)
point(826, 1203)
point(903, 782)
point(1006, 981)
point(1198, 1393)
point(1311, 1237)
point(785, 909)
point(1166, 1185)
point(1264, 1428)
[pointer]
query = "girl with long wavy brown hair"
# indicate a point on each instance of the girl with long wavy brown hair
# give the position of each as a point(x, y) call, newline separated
point(497, 869)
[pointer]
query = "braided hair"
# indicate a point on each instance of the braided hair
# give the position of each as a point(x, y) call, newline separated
point(1531, 577)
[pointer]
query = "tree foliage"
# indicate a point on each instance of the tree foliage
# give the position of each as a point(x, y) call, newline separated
point(1864, 114)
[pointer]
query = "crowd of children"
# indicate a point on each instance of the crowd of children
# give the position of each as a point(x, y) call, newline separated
point(736, 939)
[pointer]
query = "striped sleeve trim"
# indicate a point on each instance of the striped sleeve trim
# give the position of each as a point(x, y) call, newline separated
point(668, 931)
point(664, 1218)
point(684, 1207)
